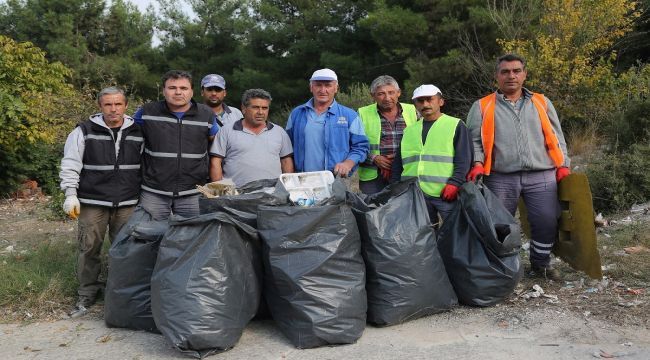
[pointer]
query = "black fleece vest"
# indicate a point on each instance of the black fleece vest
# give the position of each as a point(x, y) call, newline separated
point(175, 158)
point(107, 179)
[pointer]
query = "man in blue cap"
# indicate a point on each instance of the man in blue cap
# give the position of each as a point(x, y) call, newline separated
point(325, 134)
point(213, 91)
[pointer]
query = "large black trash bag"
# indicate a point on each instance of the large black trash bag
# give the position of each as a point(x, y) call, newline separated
point(132, 257)
point(405, 275)
point(206, 287)
point(314, 273)
point(479, 242)
point(243, 207)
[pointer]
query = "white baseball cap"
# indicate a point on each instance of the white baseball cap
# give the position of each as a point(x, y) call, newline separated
point(426, 90)
point(324, 75)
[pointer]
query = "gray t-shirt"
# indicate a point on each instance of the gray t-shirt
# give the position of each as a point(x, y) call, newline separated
point(248, 156)
point(230, 115)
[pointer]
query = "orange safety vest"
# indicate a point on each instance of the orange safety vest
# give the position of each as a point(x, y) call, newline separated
point(488, 105)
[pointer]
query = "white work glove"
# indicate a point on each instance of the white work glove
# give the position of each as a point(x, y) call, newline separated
point(71, 206)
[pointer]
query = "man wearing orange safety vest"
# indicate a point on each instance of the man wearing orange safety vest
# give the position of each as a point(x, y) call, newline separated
point(519, 149)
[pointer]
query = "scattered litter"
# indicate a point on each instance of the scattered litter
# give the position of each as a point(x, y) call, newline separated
point(636, 249)
point(620, 253)
point(63, 345)
point(635, 291)
point(551, 299)
point(549, 344)
point(603, 355)
point(626, 220)
point(607, 236)
point(536, 292)
point(622, 302)
point(104, 339)
point(608, 267)
point(600, 221)
point(218, 188)
point(586, 313)
point(591, 290)
point(9, 248)
point(525, 246)
point(638, 208)
point(27, 348)
point(627, 344)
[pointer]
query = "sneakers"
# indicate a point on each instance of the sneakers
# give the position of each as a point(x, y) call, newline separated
point(81, 308)
point(548, 272)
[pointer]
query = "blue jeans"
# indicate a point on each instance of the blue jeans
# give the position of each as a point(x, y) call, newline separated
point(539, 191)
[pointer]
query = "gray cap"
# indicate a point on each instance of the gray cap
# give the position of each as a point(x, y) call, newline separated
point(212, 80)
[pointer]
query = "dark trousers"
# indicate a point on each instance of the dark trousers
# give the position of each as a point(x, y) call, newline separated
point(539, 191)
point(93, 221)
point(373, 186)
point(435, 206)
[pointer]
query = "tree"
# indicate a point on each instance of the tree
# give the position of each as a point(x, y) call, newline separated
point(572, 62)
point(35, 105)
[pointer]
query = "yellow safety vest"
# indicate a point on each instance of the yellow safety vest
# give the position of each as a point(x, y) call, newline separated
point(372, 126)
point(432, 162)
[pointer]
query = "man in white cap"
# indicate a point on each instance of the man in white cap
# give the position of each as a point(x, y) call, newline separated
point(436, 150)
point(325, 134)
point(213, 91)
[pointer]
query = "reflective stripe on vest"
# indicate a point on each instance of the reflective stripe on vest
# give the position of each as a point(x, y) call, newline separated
point(372, 127)
point(488, 107)
point(432, 162)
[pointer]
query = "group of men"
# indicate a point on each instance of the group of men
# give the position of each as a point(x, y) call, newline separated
point(112, 162)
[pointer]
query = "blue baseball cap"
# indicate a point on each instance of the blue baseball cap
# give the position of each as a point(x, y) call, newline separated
point(213, 80)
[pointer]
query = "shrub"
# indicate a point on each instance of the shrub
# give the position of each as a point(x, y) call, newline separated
point(620, 180)
point(630, 127)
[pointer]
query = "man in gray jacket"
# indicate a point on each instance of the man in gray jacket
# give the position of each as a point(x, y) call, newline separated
point(520, 150)
point(100, 175)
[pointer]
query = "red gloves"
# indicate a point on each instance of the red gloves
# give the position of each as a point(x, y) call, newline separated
point(449, 192)
point(561, 173)
point(477, 170)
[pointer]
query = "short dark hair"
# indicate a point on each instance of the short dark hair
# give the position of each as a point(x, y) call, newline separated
point(510, 57)
point(176, 74)
point(255, 94)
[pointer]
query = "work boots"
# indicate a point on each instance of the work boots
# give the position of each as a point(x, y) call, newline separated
point(81, 308)
point(547, 272)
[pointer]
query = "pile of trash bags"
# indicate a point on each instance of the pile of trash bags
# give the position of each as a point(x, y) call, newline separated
point(323, 270)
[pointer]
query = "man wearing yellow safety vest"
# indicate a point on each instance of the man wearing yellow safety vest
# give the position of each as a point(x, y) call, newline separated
point(384, 122)
point(437, 150)
point(519, 149)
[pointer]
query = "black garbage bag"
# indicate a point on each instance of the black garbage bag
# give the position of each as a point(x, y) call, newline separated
point(479, 243)
point(243, 207)
point(314, 273)
point(205, 287)
point(405, 275)
point(132, 257)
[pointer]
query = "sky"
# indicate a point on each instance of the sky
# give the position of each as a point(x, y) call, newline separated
point(143, 4)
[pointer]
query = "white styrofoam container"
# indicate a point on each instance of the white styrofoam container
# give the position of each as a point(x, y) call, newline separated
point(312, 186)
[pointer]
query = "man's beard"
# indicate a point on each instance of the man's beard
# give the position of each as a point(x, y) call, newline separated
point(214, 103)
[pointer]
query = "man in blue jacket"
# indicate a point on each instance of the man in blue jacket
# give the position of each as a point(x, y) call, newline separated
point(326, 135)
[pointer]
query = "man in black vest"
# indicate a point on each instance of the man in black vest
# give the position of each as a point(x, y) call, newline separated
point(100, 175)
point(177, 132)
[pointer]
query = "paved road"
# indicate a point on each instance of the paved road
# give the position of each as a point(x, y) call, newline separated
point(539, 332)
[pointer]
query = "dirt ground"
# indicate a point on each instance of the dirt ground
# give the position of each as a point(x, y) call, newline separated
point(575, 319)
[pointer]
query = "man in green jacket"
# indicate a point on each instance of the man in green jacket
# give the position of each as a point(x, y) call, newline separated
point(436, 150)
point(384, 122)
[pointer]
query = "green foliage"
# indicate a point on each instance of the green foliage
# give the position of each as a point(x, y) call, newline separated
point(570, 59)
point(620, 180)
point(35, 101)
point(38, 280)
point(356, 96)
point(630, 127)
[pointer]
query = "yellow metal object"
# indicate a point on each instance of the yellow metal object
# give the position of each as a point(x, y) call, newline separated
point(576, 244)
